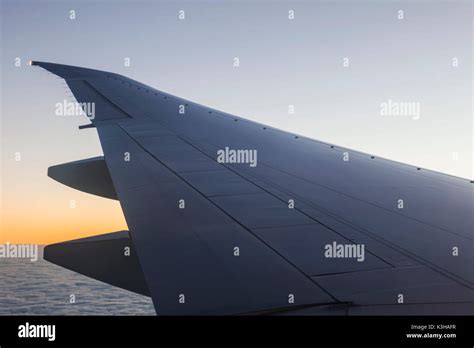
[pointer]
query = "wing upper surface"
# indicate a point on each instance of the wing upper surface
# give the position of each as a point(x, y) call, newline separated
point(173, 144)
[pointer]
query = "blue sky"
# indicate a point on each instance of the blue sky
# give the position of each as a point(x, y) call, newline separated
point(283, 62)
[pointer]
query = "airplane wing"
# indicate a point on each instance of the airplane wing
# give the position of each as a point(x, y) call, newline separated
point(228, 216)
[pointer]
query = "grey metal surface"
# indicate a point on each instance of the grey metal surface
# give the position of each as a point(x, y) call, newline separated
point(190, 252)
point(89, 175)
point(110, 258)
point(356, 201)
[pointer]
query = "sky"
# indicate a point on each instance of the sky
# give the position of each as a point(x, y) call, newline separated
point(335, 62)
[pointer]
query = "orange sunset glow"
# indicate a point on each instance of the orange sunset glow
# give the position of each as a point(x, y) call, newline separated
point(51, 218)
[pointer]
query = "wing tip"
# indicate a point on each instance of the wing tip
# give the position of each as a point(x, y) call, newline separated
point(68, 71)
